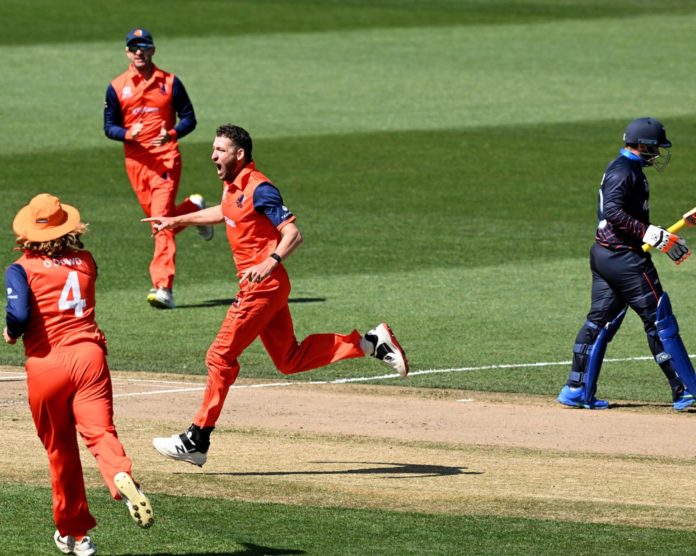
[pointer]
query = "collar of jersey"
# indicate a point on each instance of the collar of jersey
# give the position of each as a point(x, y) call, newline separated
point(135, 74)
point(238, 182)
point(632, 156)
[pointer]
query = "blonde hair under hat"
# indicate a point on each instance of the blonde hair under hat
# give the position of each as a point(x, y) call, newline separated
point(45, 218)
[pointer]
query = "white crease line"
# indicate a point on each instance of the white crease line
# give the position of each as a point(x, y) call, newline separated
point(12, 378)
point(131, 394)
point(200, 389)
point(357, 379)
point(385, 377)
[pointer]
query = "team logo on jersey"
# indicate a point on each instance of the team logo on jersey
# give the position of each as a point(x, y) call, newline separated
point(163, 89)
point(10, 294)
point(127, 92)
point(240, 200)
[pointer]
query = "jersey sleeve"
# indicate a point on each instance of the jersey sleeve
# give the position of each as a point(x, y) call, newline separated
point(267, 200)
point(184, 109)
point(17, 309)
point(113, 118)
point(616, 189)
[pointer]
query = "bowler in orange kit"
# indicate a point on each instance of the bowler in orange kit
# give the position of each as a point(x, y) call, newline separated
point(50, 304)
point(262, 233)
point(141, 108)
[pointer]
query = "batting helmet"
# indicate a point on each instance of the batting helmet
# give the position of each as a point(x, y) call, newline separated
point(647, 131)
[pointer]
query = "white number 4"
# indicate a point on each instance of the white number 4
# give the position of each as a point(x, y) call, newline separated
point(76, 303)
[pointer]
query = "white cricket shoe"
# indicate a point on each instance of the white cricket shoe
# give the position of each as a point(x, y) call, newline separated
point(68, 545)
point(387, 348)
point(162, 298)
point(206, 232)
point(181, 447)
point(138, 504)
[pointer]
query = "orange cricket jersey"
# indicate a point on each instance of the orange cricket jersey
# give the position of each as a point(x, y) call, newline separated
point(252, 236)
point(61, 306)
point(149, 102)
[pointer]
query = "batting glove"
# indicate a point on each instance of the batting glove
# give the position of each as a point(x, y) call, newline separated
point(671, 244)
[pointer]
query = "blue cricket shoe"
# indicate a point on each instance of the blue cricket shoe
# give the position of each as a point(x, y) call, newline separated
point(684, 402)
point(575, 397)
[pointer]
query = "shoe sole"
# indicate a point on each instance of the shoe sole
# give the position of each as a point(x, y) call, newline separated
point(197, 458)
point(138, 504)
point(397, 345)
point(575, 405)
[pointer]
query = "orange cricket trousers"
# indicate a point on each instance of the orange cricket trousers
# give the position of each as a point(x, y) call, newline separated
point(70, 388)
point(156, 185)
point(261, 311)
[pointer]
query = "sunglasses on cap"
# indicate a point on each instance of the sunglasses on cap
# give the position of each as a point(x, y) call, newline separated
point(136, 47)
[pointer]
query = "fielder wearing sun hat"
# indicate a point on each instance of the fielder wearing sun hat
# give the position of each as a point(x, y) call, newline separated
point(139, 36)
point(45, 218)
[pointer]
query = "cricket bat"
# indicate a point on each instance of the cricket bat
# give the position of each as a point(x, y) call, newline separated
point(674, 228)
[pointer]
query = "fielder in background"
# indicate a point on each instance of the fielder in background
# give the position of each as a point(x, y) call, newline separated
point(623, 275)
point(141, 108)
point(262, 233)
point(50, 304)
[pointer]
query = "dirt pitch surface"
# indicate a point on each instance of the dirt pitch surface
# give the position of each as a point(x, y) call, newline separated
point(395, 448)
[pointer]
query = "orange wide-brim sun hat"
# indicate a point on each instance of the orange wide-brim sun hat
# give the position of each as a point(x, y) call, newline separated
point(45, 218)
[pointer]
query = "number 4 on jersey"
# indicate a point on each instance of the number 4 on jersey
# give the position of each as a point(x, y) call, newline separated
point(76, 303)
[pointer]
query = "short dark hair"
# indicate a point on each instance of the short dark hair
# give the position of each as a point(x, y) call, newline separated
point(239, 136)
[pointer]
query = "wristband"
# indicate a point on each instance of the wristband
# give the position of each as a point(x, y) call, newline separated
point(276, 256)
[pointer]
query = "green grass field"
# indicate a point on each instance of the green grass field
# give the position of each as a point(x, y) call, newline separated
point(291, 530)
point(442, 158)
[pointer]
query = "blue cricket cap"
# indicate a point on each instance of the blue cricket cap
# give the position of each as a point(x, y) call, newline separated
point(139, 36)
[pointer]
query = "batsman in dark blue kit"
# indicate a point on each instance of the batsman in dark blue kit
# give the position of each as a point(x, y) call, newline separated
point(623, 275)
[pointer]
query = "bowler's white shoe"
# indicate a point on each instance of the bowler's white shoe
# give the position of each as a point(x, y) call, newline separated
point(206, 232)
point(138, 504)
point(387, 348)
point(162, 298)
point(68, 545)
point(181, 447)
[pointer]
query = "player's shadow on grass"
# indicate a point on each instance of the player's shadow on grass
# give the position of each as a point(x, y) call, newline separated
point(629, 405)
point(249, 549)
point(228, 301)
point(390, 470)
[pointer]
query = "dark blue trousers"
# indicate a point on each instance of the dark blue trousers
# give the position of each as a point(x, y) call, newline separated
point(621, 278)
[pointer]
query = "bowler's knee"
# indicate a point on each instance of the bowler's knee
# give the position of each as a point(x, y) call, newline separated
point(220, 365)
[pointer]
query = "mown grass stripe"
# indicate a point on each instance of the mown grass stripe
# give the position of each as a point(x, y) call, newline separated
point(368, 80)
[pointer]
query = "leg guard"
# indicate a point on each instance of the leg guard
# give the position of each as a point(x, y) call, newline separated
point(595, 355)
point(668, 332)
